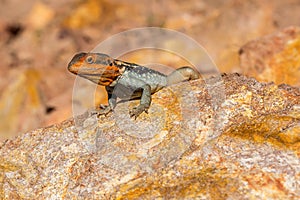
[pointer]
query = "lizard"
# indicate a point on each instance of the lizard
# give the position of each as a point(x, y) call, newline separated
point(125, 80)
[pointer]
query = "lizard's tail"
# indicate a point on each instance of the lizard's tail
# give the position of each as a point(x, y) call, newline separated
point(182, 74)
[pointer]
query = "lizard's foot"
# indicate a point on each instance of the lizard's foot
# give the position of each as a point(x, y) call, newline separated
point(136, 111)
point(101, 110)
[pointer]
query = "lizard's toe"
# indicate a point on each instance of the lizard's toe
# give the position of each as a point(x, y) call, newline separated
point(101, 110)
point(135, 112)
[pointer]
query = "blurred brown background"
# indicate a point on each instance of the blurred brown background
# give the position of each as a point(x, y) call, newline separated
point(38, 39)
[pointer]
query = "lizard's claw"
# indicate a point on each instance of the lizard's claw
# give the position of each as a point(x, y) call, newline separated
point(101, 110)
point(136, 111)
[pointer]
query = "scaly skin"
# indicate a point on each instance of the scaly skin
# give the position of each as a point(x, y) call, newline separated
point(125, 80)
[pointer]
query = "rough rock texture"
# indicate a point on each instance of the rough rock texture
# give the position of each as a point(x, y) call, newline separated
point(192, 144)
point(274, 57)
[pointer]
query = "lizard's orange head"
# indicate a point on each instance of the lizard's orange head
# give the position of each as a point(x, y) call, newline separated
point(96, 67)
point(83, 63)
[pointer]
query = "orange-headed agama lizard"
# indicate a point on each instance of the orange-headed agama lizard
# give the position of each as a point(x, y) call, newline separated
point(125, 80)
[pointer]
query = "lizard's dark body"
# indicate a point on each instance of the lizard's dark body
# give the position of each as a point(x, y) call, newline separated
point(125, 80)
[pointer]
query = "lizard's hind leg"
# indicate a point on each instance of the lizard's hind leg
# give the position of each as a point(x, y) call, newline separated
point(182, 74)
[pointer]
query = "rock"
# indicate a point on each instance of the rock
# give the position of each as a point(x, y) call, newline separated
point(274, 57)
point(193, 144)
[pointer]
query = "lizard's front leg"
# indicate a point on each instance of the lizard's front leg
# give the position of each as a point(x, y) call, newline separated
point(112, 102)
point(144, 103)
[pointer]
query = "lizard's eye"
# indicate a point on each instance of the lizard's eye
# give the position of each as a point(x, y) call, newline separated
point(89, 59)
